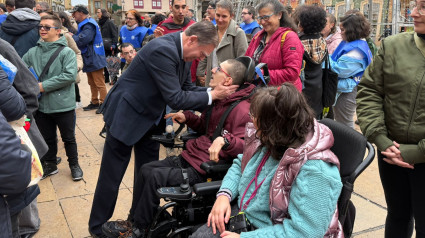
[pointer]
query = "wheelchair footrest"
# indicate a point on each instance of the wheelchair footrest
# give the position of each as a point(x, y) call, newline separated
point(207, 188)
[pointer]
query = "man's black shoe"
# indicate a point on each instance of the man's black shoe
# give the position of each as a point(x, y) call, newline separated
point(99, 110)
point(91, 106)
point(116, 228)
point(76, 172)
point(58, 160)
point(49, 169)
point(134, 233)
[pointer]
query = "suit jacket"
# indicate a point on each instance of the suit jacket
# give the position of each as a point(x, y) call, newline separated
point(157, 77)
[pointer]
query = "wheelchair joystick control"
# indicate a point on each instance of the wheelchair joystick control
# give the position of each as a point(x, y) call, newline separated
point(184, 187)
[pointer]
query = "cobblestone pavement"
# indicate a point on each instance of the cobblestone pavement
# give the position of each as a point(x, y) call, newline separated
point(64, 205)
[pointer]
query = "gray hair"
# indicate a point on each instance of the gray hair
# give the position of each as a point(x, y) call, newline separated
point(251, 10)
point(43, 5)
point(237, 71)
point(226, 4)
point(205, 31)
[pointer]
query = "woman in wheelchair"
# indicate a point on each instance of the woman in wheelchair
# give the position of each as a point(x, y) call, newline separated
point(285, 186)
point(168, 172)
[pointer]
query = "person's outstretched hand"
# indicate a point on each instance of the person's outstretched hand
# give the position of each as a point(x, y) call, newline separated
point(220, 214)
point(178, 116)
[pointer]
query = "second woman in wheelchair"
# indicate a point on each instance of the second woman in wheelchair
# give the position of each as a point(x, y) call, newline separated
point(289, 185)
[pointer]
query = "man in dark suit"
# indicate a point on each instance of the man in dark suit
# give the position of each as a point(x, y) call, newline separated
point(133, 109)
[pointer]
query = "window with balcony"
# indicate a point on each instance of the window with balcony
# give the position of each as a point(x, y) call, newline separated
point(138, 4)
point(156, 4)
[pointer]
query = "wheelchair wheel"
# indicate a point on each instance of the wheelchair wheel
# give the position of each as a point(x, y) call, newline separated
point(163, 225)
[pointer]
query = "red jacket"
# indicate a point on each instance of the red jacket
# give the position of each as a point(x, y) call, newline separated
point(233, 130)
point(284, 63)
point(169, 26)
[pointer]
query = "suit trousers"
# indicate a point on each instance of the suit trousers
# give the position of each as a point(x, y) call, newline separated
point(156, 174)
point(115, 159)
point(97, 86)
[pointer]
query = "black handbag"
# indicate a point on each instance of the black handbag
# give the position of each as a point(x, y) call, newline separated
point(330, 84)
point(239, 223)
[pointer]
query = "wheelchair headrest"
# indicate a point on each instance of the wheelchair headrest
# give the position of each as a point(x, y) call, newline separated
point(250, 68)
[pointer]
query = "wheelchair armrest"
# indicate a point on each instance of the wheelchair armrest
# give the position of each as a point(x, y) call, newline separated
point(189, 136)
point(165, 140)
point(207, 188)
point(174, 193)
point(212, 167)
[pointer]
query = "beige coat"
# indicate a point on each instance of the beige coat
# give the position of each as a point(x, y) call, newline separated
point(233, 45)
point(74, 47)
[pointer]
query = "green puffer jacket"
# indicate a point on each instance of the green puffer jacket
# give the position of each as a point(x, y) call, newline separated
point(390, 98)
point(58, 84)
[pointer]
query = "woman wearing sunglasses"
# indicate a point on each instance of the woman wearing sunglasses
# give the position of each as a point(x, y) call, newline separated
point(391, 112)
point(277, 44)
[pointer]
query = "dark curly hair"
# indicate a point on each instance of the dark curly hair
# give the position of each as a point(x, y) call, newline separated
point(311, 18)
point(356, 26)
point(157, 19)
point(283, 118)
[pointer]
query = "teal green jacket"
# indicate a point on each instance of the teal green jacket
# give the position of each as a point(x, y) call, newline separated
point(390, 97)
point(315, 181)
point(58, 84)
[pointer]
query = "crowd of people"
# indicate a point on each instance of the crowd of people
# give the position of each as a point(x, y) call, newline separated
point(284, 178)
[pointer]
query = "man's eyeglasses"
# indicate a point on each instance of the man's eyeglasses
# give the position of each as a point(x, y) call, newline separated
point(221, 70)
point(265, 17)
point(47, 28)
point(420, 8)
point(244, 13)
point(130, 19)
point(210, 8)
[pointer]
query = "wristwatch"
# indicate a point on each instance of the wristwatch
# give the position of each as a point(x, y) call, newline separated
point(226, 143)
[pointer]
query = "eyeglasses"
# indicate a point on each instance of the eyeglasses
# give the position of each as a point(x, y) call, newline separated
point(210, 8)
point(244, 13)
point(265, 17)
point(420, 8)
point(46, 28)
point(130, 52)
point(130, 19)
point(221, 70)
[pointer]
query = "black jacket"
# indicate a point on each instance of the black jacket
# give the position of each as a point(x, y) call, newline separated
point(109, 33)
point(15, 159)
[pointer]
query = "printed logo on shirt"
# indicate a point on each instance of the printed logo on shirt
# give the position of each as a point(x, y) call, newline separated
point(292, 48)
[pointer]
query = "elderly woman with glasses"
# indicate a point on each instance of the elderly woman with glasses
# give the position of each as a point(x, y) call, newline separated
point(391, 112)
point(277, 44)
point(134, 32)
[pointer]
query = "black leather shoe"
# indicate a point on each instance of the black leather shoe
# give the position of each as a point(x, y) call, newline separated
point(134, 233)
point(99, 110)
point(116, 228)
point(49, 169)
point(76, 172)
point(91, 106)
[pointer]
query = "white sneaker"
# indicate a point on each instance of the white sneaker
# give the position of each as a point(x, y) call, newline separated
point(78, 105)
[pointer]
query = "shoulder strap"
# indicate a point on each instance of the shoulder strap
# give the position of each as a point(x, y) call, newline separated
point(282, 40)
point(223, 118)
point(52, 58)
